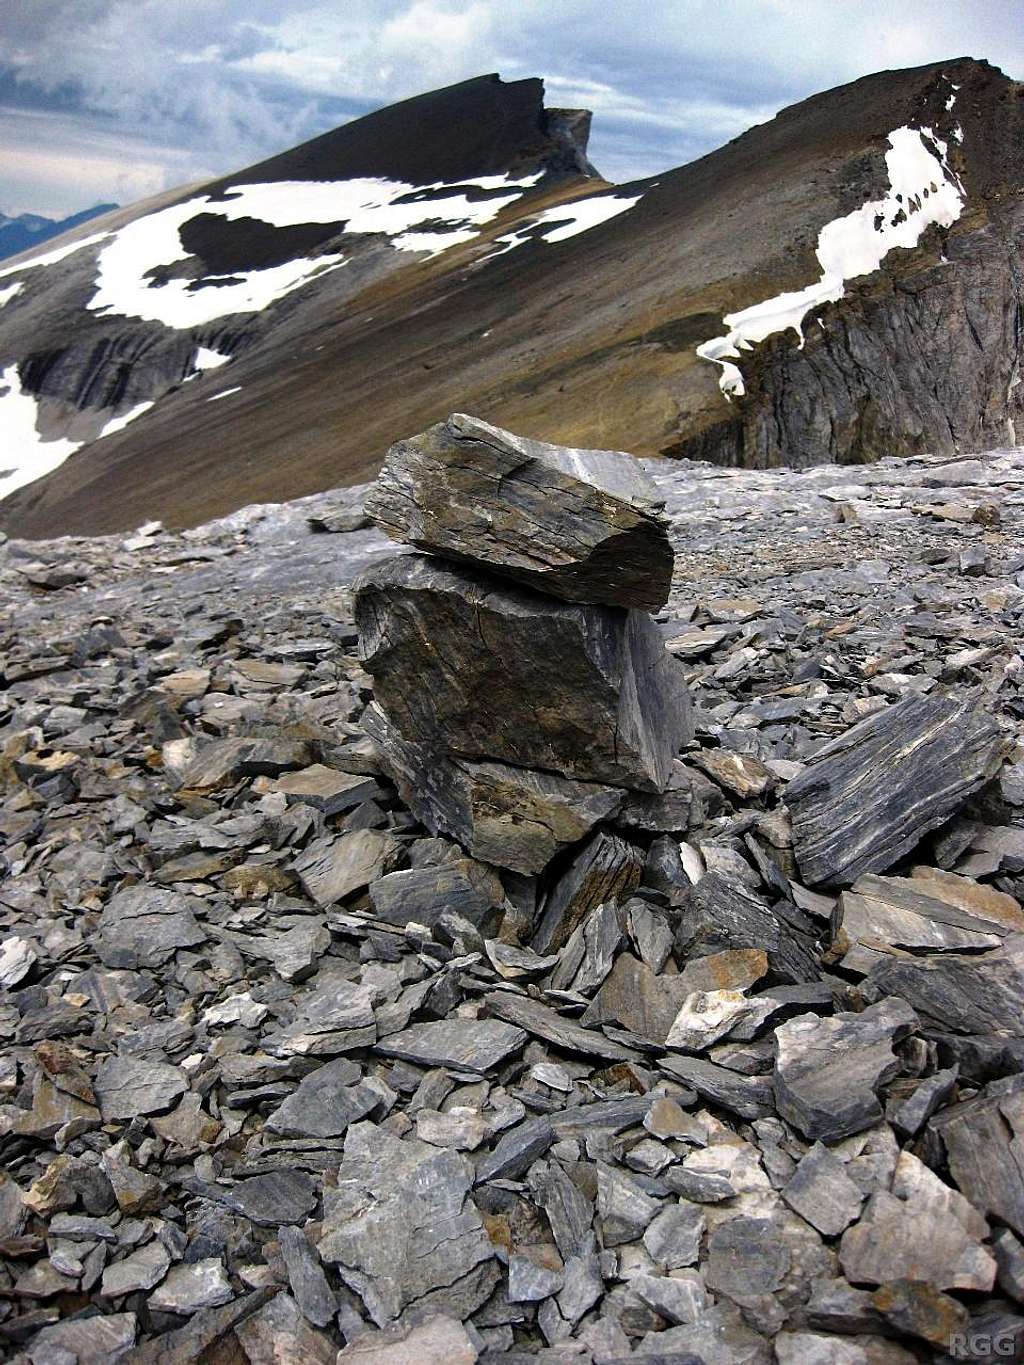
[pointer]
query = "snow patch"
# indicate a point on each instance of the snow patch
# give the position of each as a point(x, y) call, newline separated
point(923, 190)
point(119, 423)
point(567, 220)
point(52, 257)
point(207, 359)
point(426, 218)
point(224, 393)
point(7, 294)
point(24, 455)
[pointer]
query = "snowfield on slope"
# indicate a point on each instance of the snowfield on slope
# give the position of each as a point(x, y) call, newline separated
point(406, 214)
point(923, 191)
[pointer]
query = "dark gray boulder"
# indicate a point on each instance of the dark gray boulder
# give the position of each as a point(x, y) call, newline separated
point(516, 818)
point(582, 525)
point(471, 667)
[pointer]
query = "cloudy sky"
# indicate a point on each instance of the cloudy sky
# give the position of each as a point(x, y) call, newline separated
point(113, 100)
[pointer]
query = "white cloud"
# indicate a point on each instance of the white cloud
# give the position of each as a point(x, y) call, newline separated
point(220, 83)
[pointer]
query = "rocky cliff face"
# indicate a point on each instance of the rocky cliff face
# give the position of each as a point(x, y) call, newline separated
point(841, 282)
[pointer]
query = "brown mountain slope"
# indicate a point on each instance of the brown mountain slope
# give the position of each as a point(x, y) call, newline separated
point(591, 339)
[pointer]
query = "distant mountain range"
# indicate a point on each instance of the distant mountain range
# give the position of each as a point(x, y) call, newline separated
point(840, 283)
point(29, 230)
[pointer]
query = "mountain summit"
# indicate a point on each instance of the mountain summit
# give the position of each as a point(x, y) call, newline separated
point(834, 285)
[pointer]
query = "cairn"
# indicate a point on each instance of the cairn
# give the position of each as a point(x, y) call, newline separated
point(523, 694)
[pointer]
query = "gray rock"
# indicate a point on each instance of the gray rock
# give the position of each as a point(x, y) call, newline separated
point(189, 1288)
point(324, 1103)
point(638, 999)
point(922, 1230)
point(437, 1340)
point(545, 1023)
point(510, 817)
point(142, 1269)
point(586, 692)
point(421, 895)
point(883, 915)
point(306, 1278)
point(530, 1283)
point(822, 1193)
point(516, 1151)
point(624, 1209)
point(869, 796)
point(477, 1045)
point(827, 1071)
point(718, 1337)
point(750, 1097)
point(277, 1198)
point(720, 914)
point(605, 870)
point(278, 1332)
point(142, 926)
point(332, 868)
point(964, 993)
point(581, 525)
point(127, 1086)
point(674, 1235)
point(569, 1211)
point(589, 953)
point(911, 1114)
point(678, 1299)
point(107, 1338)
point(982, 1137)
point(400, 1222)
point(334, 1015)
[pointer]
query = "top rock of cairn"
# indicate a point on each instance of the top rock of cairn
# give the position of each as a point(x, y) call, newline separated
point(580, 525)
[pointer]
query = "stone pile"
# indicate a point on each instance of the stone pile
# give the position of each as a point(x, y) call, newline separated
point(514, 719)
point(728, 1073)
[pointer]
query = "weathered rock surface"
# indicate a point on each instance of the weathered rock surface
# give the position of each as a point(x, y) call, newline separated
point(585, 692)
point(581, 525)
point(869, 796)
point(513, 817)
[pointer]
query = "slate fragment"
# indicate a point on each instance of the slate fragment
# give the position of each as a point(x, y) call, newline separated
point(828, 1071)
point(127, 1086)
point(581, 525)
point(869, 796)
point(604, 871)
point(400, 1222)
point(477, 1045)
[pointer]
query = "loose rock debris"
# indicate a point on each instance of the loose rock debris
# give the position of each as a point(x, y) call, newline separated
point(709, 1050)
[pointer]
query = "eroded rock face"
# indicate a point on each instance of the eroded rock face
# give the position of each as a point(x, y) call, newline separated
point(582, 525)
point(465, 665)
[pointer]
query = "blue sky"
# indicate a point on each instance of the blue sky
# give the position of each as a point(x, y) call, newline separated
point(106, 100)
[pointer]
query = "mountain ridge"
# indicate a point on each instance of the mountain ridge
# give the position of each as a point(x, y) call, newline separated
point(578, 331)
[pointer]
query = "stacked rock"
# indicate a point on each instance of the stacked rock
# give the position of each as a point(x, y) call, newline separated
point(523, 694)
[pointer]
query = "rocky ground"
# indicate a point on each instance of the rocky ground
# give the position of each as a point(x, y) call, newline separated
point(285, 1076)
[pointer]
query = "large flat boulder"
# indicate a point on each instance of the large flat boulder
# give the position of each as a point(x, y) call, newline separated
point(582, 525)
point(477, 669)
